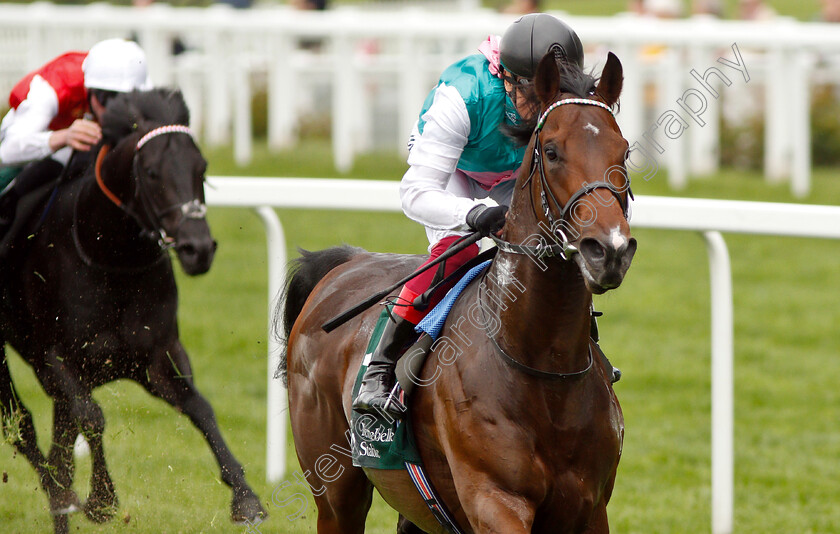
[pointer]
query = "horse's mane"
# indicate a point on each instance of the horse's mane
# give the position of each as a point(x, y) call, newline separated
point(573, 80)
point(126, 111)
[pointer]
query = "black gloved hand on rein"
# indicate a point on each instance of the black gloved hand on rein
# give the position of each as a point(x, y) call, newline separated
point(486, 220)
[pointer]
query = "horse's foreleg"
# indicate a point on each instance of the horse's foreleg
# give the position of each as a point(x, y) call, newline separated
point(489, 508)
point(170, 378)
point(79, 413)
point(497, 512)
point(19, 430)
point(62, 464)
point(61, 524)
point(598, 524)
point(102, 503)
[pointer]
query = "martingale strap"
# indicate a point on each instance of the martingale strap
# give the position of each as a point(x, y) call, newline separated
point(431, 498)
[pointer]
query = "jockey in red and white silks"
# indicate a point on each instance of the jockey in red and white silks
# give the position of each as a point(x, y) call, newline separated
point(48, 103)
point(55, 110)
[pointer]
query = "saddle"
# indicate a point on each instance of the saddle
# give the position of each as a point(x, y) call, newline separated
point(378, 441)
point(24, 204)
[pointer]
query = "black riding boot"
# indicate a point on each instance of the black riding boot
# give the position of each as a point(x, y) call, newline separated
point(379, 380)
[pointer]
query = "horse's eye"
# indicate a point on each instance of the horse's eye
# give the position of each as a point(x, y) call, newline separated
point(551, 153)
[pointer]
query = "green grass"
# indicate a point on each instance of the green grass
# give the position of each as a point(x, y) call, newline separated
point(656, 328)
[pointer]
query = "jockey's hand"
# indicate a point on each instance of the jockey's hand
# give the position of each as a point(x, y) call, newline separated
point(487, 220)
point(81, 135)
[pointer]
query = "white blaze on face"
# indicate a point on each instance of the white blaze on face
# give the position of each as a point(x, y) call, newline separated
point(617, 238)
point(592, 128)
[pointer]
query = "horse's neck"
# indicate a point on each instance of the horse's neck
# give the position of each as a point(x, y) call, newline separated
point(543, 314)
point(545, 317)
point(102, 225)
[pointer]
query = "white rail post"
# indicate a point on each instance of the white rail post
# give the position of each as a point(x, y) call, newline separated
point(275, 461)
point(242, 94)
point(800, 80)
point(217, 46)
point(631, 117)
point(281, 96)
point(722, 384)
point(345, 90)
point(411, 89)
point(671, 70)
point(704, 148)
point(776, 116)
point(157, 43)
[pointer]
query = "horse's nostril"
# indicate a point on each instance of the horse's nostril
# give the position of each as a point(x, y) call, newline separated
point(592, 250)
point(187, 248)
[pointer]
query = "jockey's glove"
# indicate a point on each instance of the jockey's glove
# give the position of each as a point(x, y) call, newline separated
point(486, 220)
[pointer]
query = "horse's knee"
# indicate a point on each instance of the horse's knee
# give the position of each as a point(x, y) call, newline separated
point(196, 406)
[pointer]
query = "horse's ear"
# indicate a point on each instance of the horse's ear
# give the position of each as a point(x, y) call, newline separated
point(612, 78)
point(547, 79)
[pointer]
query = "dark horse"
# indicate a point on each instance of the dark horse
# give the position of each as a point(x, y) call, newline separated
point(90, 297)
point(517, 423)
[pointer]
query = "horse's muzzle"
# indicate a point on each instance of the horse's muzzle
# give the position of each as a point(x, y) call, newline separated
point(604, 264)
point(195, 246)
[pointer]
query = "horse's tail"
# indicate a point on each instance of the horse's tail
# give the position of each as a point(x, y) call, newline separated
point(304, 273)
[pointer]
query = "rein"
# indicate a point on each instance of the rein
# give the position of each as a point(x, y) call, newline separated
point(564, 249)
point(193, 209)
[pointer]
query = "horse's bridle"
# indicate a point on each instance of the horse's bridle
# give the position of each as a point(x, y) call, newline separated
point(563, 249)
point(150, 218)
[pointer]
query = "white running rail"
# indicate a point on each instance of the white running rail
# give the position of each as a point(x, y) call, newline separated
point(369, 70)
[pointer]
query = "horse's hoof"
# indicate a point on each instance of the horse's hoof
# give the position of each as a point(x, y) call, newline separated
point(100, 510)
point(64, 502)
point(247, 509)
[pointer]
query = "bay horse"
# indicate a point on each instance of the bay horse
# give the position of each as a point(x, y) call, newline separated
point(89, 297)
point(516, 421)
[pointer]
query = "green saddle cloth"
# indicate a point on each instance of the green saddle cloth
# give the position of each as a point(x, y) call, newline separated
point(377, 442)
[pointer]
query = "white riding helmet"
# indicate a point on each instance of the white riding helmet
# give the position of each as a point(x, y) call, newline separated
point(116, 65)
